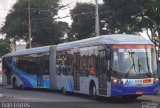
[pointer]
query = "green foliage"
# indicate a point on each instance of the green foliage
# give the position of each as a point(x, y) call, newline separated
point(133, 16)
point(113, 18)
point(153, 21)
point(45, 30)
point(4, 47)
point(118, 16)
point(83, 21)
point(123, 15)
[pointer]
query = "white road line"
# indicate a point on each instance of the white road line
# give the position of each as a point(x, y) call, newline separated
point(1, 95)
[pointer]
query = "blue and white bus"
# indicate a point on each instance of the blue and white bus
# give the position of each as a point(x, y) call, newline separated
point(108, 65)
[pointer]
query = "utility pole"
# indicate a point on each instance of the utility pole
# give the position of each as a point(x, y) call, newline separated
point(97, 19)
point(29, 22)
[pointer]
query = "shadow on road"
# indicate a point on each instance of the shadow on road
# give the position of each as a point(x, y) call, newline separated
point(117, 100)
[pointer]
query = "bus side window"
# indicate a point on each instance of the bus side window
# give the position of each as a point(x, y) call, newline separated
point(92, 69)
point(92, 62)
point(58, 65)
point(63, 64)
point(44, 64)
point(84, 63)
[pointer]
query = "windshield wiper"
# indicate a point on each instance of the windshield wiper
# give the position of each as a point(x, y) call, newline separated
point(129, 71)
point(133, 66)
point(148, 73)
point(139, 66)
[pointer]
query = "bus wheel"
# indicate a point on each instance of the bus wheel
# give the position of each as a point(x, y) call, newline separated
point(130, 97)
point(133, 97)
point(93, 92)
point(14, 83)
point(21, 87)
point(63, 90)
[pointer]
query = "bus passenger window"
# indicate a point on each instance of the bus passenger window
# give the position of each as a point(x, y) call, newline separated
point(64, 64)
point(93, 64)
point(84, 63)
point(58, 65)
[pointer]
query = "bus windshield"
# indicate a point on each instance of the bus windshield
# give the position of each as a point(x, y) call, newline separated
point(134, 60)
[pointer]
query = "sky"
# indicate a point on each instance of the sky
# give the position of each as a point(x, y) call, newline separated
point(5, 6)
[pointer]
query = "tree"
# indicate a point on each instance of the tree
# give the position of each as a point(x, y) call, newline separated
point(44, 27)
point(113, 18)
point(4, 47)
point(152, 19)
point(117, 17)
point(134, 16)
point(83, 21)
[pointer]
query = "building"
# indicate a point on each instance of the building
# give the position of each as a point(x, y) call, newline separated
point(18, 47)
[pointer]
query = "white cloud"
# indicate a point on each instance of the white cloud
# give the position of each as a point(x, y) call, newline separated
point(5, 6)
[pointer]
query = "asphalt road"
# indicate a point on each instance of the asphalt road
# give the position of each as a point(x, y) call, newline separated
point(11, 98)
point(0, 77)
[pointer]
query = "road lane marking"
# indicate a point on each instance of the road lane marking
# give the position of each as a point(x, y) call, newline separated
point(1, 95)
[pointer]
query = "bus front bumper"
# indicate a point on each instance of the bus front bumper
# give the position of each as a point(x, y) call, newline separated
point(121, 90)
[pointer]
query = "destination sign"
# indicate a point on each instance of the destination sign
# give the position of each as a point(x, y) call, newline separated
point(133, 50)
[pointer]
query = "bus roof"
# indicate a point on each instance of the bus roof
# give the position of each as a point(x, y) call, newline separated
point(28, 51)
point(104, 39)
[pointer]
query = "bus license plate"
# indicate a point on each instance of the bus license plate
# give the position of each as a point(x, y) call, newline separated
point(139, 92)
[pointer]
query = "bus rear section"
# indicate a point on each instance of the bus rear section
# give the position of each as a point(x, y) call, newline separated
point(27, 70)
point(134, 70)
point(6, 71)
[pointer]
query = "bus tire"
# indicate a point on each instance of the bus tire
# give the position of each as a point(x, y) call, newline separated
point(93, 92)
point(63, 90)
point(133, 97)
point(21, 87)
point(14, 83)
point(130, 97)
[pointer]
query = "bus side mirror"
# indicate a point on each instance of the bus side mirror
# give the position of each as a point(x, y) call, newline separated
point(108, 54)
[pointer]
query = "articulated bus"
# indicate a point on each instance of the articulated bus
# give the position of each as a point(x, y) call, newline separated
point(118, 65)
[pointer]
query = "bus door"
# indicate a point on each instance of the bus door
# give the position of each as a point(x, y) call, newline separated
point(102, 74)
point(76, 74)
point(39, 72)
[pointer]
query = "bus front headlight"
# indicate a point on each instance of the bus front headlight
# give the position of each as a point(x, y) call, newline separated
point(116, 80)
point(156, 80)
